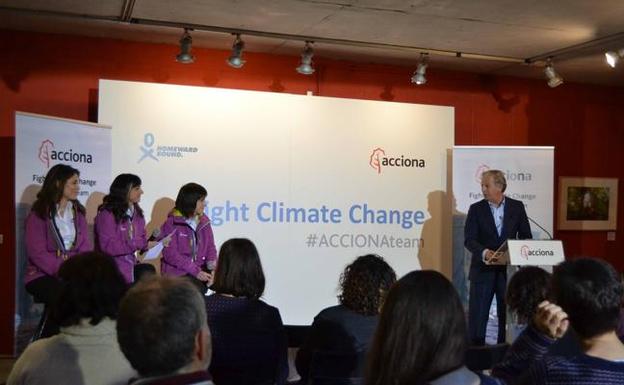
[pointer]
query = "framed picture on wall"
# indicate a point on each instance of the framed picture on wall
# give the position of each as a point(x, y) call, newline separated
point(587, 203)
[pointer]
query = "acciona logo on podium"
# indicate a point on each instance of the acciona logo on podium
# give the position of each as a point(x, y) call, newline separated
point(527, 252)
point(47, 152)
point(379, 160)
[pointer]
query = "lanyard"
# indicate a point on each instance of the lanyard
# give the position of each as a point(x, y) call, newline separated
point(61, 251)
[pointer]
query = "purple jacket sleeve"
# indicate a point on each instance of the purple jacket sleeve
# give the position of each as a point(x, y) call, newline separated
point(37, 245)
point(211, 252)
point(172, 253)
point(140, 238)
point(84, 243)
point(109, 239)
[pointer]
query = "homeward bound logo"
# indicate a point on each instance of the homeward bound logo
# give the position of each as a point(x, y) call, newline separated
point(47, 153)
point(151, 151)
point(379, 160)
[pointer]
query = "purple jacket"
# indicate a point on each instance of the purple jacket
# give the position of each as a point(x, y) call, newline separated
point(178, 258)
point(45, 255)
point(114, 239)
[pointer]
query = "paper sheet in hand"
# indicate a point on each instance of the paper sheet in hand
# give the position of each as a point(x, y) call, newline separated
point(154, 252)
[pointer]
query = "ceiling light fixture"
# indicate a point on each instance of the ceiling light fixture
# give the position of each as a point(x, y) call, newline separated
point(419, 75)
point(185, 56)
point(552, 76)
point(613, 57)
point(236, 58)
point(305, 68)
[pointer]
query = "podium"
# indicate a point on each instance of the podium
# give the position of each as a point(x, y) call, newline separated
point(528, 252)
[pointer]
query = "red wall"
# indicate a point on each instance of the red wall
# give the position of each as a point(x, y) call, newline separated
point(58, 75)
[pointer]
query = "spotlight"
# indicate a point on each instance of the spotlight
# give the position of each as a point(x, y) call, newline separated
point(185, 56)
point(305, 68)
point(419, 75)
point(236, 58)
point(553, 78)
point(613, 57)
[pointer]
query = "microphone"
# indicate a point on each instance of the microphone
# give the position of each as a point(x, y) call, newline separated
point(550, 237)
point(155, 234)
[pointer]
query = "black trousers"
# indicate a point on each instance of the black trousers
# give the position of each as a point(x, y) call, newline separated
point(482, 292)
point(46, 290)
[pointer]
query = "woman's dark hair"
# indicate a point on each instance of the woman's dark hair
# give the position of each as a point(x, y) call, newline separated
point(187, 198)
point(52, 191)
point(239, 271)
point(92, 287)
point(364, 283)
point(590, 291)
point(421, 333)
point(117, 199)
point(526, 289)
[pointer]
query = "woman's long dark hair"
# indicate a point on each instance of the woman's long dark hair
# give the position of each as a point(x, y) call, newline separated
point(117, 199)
point(421, 333)
point(239, 271)
point(52, 191)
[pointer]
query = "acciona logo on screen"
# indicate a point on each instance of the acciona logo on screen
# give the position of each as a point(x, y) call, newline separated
point(378, 160)
point(49, 153)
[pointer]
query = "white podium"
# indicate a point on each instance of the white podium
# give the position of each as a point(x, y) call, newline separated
point(528, 252)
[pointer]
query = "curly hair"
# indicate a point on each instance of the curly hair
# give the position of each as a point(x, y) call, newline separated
point(527, 288)
point(364, 283)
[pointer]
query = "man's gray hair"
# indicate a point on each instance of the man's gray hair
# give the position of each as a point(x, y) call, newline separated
point(497, 176)
point(158, 322)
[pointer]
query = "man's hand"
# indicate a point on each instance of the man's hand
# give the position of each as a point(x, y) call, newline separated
point(551, 320)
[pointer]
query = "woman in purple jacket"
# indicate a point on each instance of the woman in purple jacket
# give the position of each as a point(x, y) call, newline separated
point(191, 251)
point(120, 225)
point(56, 229)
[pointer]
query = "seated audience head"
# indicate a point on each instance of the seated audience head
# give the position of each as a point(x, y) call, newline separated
point(527, 288)
point(590, 292)
point(364, 283)
point(421, 333)
point(239, 271)
point(91, 288)
point(162, 328)
point(190, 200)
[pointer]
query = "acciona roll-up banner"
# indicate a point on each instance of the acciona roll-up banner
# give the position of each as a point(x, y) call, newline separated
point(312, 181)
point(530, 174)
point(40, 143)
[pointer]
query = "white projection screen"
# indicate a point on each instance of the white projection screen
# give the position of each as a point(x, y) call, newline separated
point(312, 181)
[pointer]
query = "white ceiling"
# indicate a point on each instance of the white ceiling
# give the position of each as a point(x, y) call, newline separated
point(575, 32)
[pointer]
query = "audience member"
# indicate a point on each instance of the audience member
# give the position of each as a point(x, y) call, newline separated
point(587, 296)
point(162, 330)
point(347, 329)
point(421, 337)
point(86, 350)
point(248, 337)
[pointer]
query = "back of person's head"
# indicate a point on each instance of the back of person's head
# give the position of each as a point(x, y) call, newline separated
point(364, 283)
point(590, 292)
point(92, 287)
point(526, 289)
point(158, 325)
point(239, 271)
point(187, 198)
point(421, 333)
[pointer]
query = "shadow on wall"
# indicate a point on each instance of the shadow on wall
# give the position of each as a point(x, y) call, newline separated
point(161, 209)
point(435, 245)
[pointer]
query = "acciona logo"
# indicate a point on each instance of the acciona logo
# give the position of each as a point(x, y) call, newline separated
point(526, 252)
point(48, 153)
point(379, 160)
point(515, 176)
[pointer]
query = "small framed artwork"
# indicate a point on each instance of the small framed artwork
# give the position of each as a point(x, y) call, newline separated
point(587, 203)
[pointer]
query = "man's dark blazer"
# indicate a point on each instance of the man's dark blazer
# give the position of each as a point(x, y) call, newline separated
point(480, 233)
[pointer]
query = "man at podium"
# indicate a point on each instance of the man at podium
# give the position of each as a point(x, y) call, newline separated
point(490, 222)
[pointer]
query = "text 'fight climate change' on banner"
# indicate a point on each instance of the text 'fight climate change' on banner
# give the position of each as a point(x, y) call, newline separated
point(313, 181)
